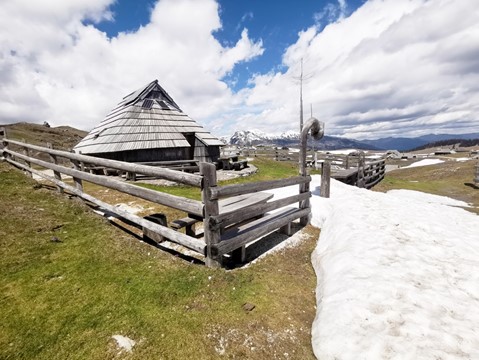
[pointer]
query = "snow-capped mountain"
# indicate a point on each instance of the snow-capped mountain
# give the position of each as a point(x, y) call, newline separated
point(291, 139)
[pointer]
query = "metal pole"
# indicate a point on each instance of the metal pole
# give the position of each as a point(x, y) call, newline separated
point(317, 131)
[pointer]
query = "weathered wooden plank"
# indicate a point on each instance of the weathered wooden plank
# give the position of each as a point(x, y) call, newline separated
point(233, 217)
point(172, 235)
point(244, 234)
point(181, 177)
point(241, 202)
point(375, 162)
point(56, 173)
point(212, 235)
point(369, 185)
point(78, 182)
point(344, 174)
point(176, 202)
point(325, 180)
point(240, 189)
point(187, 223)
point(170, 162)
point(26, 152)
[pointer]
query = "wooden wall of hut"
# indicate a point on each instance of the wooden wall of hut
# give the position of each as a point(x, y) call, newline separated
point(147, 155)
point(201, 153)
point(206, 153)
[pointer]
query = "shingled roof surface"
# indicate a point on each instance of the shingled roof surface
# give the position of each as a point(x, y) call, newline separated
point(145, 119)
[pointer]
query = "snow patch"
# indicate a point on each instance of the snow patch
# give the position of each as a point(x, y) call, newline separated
point(397, 276)
point(124, 343)
point(424, 162)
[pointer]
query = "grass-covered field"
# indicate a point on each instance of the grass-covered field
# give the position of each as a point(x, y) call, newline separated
point(70, 281)
point(451, 178)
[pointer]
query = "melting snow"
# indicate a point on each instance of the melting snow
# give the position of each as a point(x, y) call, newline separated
point(397, 276)
point(124, 343)
point(424, 162)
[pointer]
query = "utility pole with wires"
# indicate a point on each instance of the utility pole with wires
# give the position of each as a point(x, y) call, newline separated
point(302, 78)
point(301, 99)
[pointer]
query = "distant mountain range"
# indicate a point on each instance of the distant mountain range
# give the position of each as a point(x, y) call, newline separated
point(402, 144)
point(291, 139)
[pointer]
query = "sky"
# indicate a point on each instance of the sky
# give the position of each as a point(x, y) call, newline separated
point(396, 274)
point(371, 68)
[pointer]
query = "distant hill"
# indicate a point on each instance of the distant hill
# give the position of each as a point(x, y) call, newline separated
point(61, 137)
point(439, 137)
point(400, 144)
point(403, 144)
point(449, 143)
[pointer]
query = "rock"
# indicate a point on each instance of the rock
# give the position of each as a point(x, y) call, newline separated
point(55, 240)
point(248, 307)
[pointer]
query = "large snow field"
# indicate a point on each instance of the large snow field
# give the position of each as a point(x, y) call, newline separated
point(398, 275)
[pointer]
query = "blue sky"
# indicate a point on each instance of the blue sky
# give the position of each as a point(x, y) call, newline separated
point(275, 23)
point(374, 68)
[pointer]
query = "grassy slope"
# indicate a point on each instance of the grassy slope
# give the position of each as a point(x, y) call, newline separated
point(451, 178)
point(61, 137)
point(66, 299)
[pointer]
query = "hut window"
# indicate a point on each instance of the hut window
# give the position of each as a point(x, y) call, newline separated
point(155, 94)
point(163, 105)
point(147, 104)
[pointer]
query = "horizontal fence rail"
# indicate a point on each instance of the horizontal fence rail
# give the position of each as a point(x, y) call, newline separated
point(240, 189)
point(167, 174)
point(176, 202)
point(174, 236)
point(226, 219)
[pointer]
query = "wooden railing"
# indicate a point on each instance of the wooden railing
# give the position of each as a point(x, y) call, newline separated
point(476, 178)
point(224, 232)
point(355, 169)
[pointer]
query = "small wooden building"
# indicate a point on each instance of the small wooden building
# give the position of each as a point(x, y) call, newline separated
point(146, 126)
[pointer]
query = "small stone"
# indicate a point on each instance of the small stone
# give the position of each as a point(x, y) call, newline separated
point(55, 240)
point(248, 307)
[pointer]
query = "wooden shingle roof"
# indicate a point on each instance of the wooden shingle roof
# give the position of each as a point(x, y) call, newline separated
point(148, 118)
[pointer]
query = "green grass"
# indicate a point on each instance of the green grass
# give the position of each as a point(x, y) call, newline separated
point(451, 178)
point(64, 299)
point(268, 169)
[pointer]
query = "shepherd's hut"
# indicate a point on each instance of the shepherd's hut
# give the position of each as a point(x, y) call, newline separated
point(147, 125)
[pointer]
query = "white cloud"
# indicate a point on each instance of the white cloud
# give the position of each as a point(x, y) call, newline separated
point(53, 67)
point(393, 68)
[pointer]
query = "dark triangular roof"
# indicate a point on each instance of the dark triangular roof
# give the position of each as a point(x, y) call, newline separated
point(148, 118)
point(151, 91)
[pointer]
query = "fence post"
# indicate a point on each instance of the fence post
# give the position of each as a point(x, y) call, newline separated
point(360, 182)
point(211, 208)
point(54, 160)
point(27, 153)
point(476, 179)
point(3, 137)
point(325, 179)
point(316, 165)
point(78, 182)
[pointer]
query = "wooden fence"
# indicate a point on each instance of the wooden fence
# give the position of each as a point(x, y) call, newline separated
point(354, 169)
point(476, 178)
point(232, 215)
